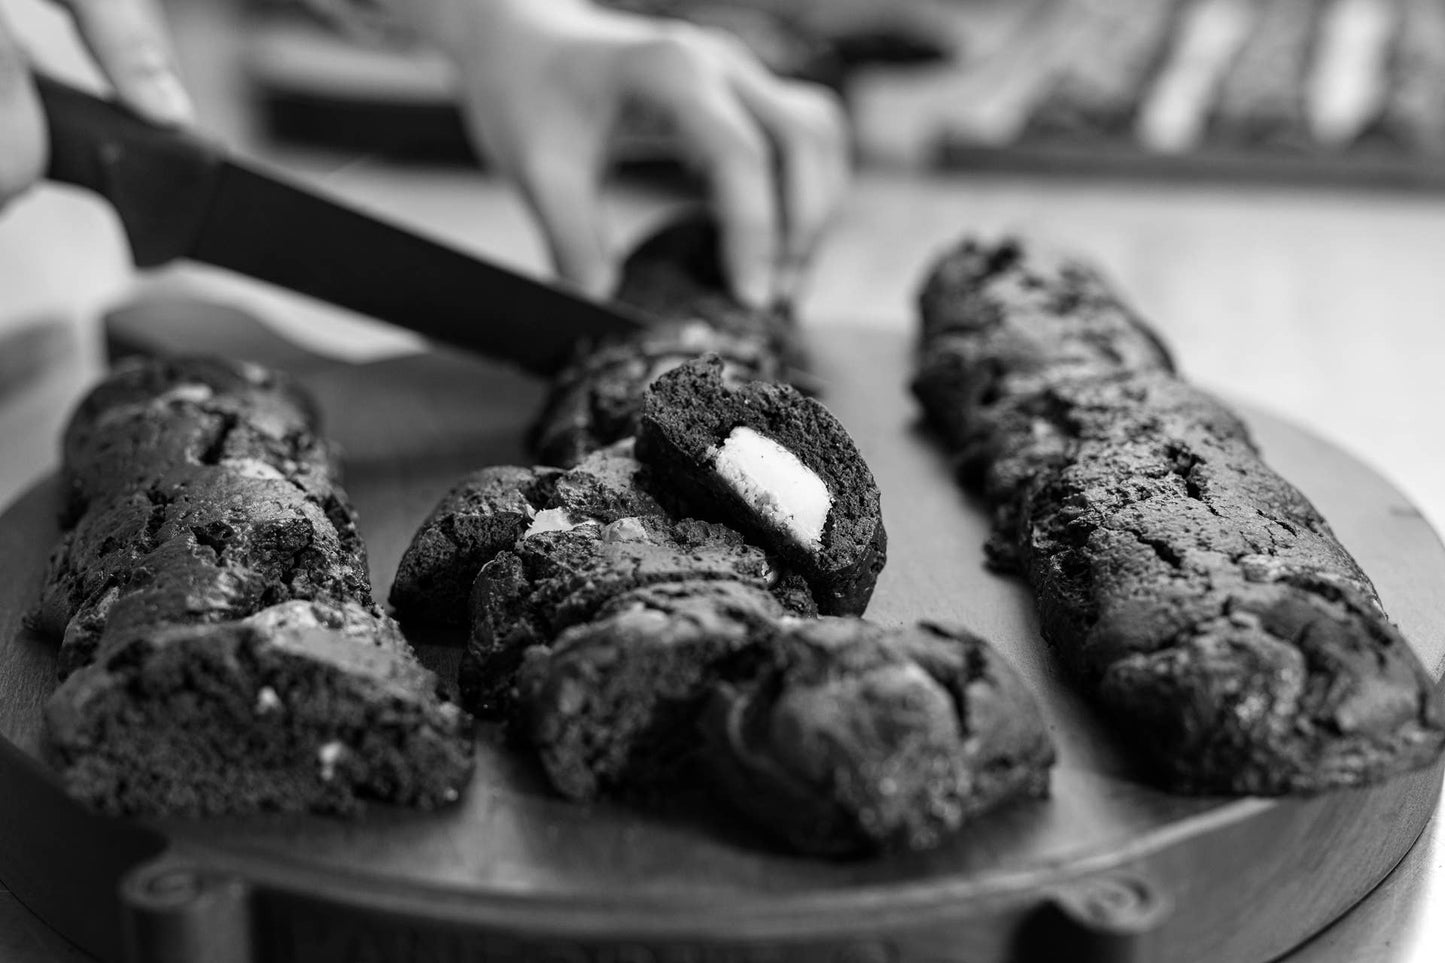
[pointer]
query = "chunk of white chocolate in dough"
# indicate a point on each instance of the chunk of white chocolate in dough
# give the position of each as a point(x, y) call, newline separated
point(555, 520)
point(776, 484)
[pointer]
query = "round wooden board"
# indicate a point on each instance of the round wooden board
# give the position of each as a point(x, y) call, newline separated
point(1107, 868)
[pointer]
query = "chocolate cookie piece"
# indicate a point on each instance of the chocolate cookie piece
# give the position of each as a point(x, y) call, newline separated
point(205, 544)
point(490, 510)
point(1209, 607)
point(484, 514)
point(775, 465)
point(611, 707)
point(1002, 320)
point(1020, 438)
point(279, 712)
point(855, 739)
point(266, 525)
point(595, 401)
point(189, 688)
point(364, 624)
point(150, 418)
point(675, 276)
point(607, 485)
point(179, 582)
point(100, 551)
point(1199, 598)
point(556, 579)
point(143, 381)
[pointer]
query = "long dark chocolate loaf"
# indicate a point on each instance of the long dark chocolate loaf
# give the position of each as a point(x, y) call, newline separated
point(1198, 597)
point(221, 649)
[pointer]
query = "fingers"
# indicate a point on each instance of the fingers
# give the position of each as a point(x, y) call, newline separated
point(679, 72)
point(563, 194)
point(738, 162)
point(22, 125)
point(806, 124)
point(128, 42)
point(775, 152)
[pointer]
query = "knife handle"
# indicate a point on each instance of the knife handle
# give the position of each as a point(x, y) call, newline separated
point(159, 180)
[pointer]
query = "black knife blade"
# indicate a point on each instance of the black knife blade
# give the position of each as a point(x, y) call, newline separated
point(181, 196)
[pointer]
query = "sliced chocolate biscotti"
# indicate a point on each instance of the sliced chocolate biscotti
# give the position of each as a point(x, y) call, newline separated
point(1198, 597)
point(595, 402)
point(151, 417)
point(486, 514)
point(852, 738)
point(776, 466)
point(144, 380)
point(172, 546)
point(301, 707)
point(482, 515)
point(999, 321)
point(612, 705)
point(221, 648)
point(559, 578)
point(676, 277)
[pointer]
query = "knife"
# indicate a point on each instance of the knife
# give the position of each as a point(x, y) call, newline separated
point(183, 196)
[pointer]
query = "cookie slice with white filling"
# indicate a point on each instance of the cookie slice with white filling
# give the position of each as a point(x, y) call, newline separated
point(776, 466)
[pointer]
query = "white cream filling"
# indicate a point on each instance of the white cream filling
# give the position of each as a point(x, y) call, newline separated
point(774, 483)
point(555, 520)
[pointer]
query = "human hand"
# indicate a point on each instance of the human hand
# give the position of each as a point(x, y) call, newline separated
point(543, 84)
point(128, 43)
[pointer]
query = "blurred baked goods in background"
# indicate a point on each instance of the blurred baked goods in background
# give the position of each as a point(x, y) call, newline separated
point(1350, 90)
point(1295, 89)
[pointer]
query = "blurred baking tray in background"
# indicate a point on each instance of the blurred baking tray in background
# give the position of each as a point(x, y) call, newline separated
point(1291, 91)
